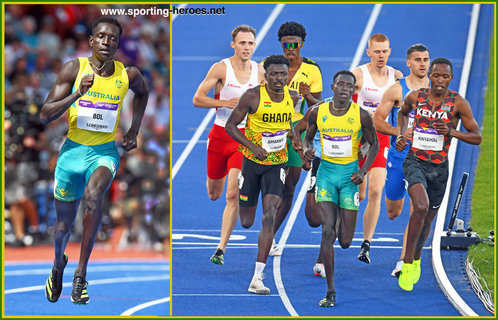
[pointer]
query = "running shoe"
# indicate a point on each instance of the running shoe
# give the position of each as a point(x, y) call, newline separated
point(405, 280)
point(364, 255)
point(53, 286)
point(275, 249)
point(218, 257)
point(417, 270)
point(329, 300)
point(257, 285)
point(80, 293)
point(397, 269)
point(319, 270)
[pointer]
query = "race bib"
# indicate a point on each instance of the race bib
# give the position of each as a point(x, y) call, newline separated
point(100, 116)
point(370, 106)
point(272, 142)
point(427, 139)
point(337, 146)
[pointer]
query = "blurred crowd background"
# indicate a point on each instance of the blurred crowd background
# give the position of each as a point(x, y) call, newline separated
point(39, 39)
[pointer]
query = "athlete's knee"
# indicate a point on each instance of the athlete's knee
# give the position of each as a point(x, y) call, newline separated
point(362, 195)
point(374, 192)
point(345, 243)
point(420, 208)
point(93, 199)
point(214, 194)
point(312, 217)
point(393, 213)
point(328, 233)
point(62, 226)
point(232, 196)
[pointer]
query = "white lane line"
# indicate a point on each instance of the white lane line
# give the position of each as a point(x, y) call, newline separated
point(176, 15)
point(144, 305)
point(94, 282)
point(259, 38)
point(304, 189)
point(437, 264)
point(222, 295)
point(90, 269)
point(366, 34)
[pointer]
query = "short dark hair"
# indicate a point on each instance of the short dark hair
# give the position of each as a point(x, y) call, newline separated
point(107, 20)
point(243, 28)
point(275, 59)
point(291, 28)
point(416, 47)
point(441, 61)
point(346, 72)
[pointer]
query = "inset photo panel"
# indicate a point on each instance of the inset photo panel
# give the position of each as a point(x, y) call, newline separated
point(86, 198)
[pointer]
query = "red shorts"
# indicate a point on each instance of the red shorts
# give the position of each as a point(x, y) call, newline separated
point(381, 158)
point(223, 153)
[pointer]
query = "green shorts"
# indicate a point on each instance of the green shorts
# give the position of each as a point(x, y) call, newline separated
point(76, 164)
point(333, 184)
point(294, 157)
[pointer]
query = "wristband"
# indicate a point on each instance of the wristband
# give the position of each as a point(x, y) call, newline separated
point(399, 137)
point(449, 130)
point(79, 92)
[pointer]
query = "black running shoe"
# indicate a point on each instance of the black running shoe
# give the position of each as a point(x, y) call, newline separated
point(329, 300)
point(364, 255)
point(218, 257)
point(53, 286)
point(80, 293)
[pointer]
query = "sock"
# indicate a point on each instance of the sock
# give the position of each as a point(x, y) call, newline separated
point(366, 243)
point(258, 270)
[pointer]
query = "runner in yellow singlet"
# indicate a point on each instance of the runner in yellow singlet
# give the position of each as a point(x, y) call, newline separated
point(269, 111)
point(91, 90)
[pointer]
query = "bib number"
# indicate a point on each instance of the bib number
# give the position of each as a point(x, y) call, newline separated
point(272, 142)
point(427, 139)
point(99, 117)
point(337, 147)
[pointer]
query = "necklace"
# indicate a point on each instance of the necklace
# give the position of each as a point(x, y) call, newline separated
point(94, 67)
point(337, 109)
point(267, 88)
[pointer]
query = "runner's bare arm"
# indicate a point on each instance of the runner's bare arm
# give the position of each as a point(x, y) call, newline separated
point(398, 74)
point(359, 79)
point(139, 88)
point(60, 97)
point(464, 111)
point(390, 98)
point(215, 77)
point(403, 113)
point(248, 103)
point(308, 152)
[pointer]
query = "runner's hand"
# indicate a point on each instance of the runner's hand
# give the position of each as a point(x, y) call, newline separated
point(232, 103)
point(130, 141)
point(400, 143)
point(409, 134)
point(86, 83)
point(357, 177)
point(297, 145)
point(306, 165)
point(259, 153)
point(304, 89)
point(441, 127)
point(309, 155)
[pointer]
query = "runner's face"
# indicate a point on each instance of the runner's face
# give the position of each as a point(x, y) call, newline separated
point(244, 45)
point(441, 77)
point(277, 76)
point(105, 41)
point(379, 52)
point(343, 88)
point(419, 63)
point(292, 53)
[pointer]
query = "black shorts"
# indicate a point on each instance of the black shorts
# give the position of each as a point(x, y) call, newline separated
point(270, 179)
point(433, 176)
point(314, 169)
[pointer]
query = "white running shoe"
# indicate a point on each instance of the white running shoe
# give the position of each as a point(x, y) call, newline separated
point(397, 269)
point(275, 249)
point(319, 270)
point(257, 286)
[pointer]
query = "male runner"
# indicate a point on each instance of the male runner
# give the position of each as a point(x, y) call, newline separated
point(230, 78)
point(342, 124)
point(91, 90)
point(417, 59)
point(306, 78)
point(373, 79)
point(269, 111)
point(437, 112)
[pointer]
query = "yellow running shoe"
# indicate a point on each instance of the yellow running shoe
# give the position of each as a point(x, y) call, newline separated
point(417, 270)
point(405, 280)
